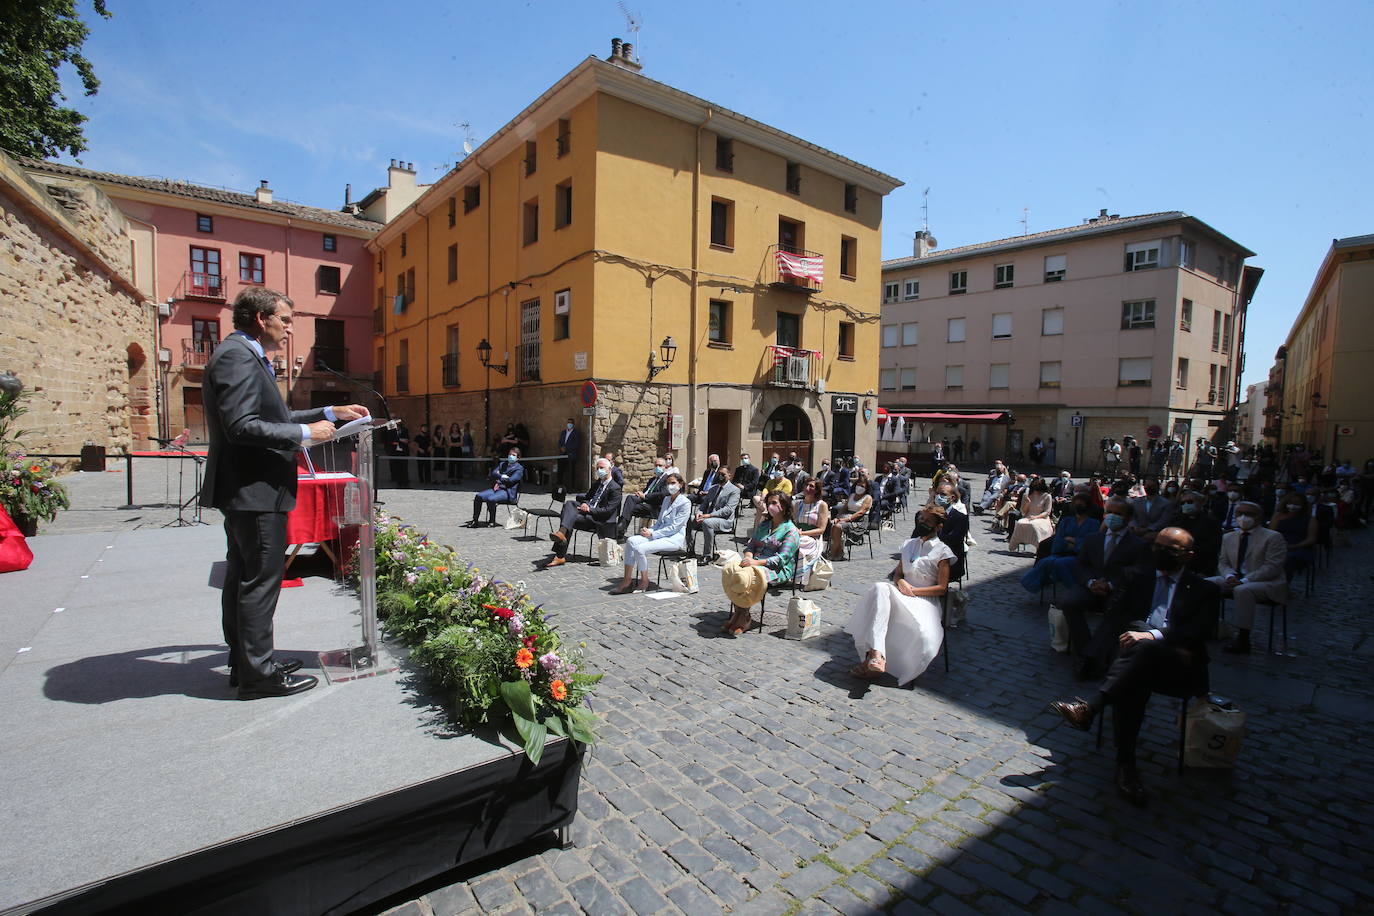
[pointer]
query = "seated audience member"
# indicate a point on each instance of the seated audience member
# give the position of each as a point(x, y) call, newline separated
point(505, 488)
point(1300, 530)
point(1074, 527)
point(1006, 509)
point(998, 481)
point(648, 500)
point(852, 514)
point(1223, 506)
point(1034, 525)
point(837, 484)
point(715, 513)
point(1192, 516)
point(897, 624)
point(1164, 615)
point(955, 529)
point(885, 489)
point(597, 510)
point(667, 532)
point(1152, 511)
point(746, 478)
point(902, 475)
point(965, 491)
point(1102, 559)
point(1250, 568)
point(777, 482)
point(616, 473)
point(668, 466)
point(811, 515)
point(1061, 491)
point(773, 546)
point(708, 480)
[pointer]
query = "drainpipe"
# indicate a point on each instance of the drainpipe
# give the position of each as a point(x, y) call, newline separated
point(695, 306)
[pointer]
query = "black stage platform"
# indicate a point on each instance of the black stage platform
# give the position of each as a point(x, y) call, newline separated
point(134, 779)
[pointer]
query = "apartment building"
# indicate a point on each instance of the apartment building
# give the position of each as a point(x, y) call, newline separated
point(1120, 326)
point(1319, 386)
point(194, 247)
point(709, 279)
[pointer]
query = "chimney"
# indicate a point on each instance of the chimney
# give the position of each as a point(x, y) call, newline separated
point(264, 193)
point(922, 244)
point(348, 196)
point(615, 50)
point(622, 55)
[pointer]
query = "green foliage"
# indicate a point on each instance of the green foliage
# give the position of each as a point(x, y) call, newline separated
point(482, 641)
point(27, 485)
point(36, 38)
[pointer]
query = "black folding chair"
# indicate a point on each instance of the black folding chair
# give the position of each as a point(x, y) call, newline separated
point(555, 510)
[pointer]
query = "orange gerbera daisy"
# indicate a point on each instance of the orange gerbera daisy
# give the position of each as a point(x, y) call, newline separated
point(524, 658)
point(559, 690)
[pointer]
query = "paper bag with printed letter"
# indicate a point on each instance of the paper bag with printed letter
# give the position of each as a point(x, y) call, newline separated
point(803, 618)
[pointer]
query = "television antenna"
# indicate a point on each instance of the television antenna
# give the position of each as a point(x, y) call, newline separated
point(925, 210)
point(1025, 220)
point(633, 22)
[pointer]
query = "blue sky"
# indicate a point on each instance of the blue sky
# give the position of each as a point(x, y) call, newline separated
point(1254, 117)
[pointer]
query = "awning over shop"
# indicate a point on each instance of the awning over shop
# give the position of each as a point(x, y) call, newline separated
point(935, 417)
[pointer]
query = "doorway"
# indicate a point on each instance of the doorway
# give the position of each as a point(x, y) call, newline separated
point(786, 430)
point(193, 410)
point(841, 437)
point(720, 426)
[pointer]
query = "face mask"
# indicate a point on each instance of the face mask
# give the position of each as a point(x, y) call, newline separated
point(1115, 522)
point(569, 427)
point(512, 457)
point(776, 475)
point(1172, 491)
point(1188, 508)
point(859, 491)
point(774, 510)
point(1233, 495)
point(924, 529)
point(714, 465)
point(1280, 492)
point(658, 469)
point(603, 472)
point(1246, 522)
point(942, 500)
point(673, 488)
point(1167, 560)
point(744, 461)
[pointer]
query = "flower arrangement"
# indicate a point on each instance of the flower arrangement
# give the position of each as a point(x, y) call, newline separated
point(483, 641)
point(27, 485)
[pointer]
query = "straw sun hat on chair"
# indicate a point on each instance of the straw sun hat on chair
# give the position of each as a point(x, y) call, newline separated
point(744, 585)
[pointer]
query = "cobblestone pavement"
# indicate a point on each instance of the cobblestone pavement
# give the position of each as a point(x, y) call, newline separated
point(753, 775)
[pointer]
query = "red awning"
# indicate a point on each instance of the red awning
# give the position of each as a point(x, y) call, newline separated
point(924, 417)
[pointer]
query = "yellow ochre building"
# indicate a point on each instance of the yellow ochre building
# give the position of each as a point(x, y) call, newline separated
point(617, 225)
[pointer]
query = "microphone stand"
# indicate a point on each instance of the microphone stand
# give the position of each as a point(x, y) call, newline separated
point(354, 383)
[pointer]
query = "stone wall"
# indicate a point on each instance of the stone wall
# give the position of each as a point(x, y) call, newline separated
point(73, 326)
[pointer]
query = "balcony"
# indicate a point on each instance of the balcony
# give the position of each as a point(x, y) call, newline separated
point(195, 352)
point(795, 269)
point(448, 362)
point(790, 367)
point(335, 358)
point(204, 285)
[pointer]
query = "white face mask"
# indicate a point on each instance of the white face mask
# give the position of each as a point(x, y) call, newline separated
point(512, 457)
point(776, 475)
point(859, 491)
point(1246, 522)
point(569, 427)
point(603, 472)
point(658, 469)
point(673, 488)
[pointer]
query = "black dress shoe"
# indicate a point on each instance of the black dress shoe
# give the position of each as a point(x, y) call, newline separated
point(290, 666)
point(278, 685)
point(1076, 712)
point(1130, 787)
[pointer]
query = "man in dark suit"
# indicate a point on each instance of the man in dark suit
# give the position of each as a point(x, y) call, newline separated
point(955, 529)
point(595, 511)
point(1192, 516)
point(1102, 559)
point(397, 442)
point(715, 513)
point(250, 476)
point(746, 477)
point(649, 498)
point(709, 479)
point(569, 445)
point(505, 488)
point(1164, 616)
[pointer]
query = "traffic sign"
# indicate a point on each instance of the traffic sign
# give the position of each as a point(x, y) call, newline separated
point(1076, 420)
point(1345, 430)
point(1154, 431)
point(588, 393)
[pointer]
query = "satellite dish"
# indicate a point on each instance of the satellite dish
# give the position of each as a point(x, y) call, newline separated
point(930, 240)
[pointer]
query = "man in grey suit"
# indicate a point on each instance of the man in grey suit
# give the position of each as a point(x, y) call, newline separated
point(715, 513)
point(1152, 511)
point(250, 476)
point(1249, 570)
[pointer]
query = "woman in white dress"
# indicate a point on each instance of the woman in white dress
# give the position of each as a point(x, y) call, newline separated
point(896, 625)
point(1035, 524)
point(668, 532)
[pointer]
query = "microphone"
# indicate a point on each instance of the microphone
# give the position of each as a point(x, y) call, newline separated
point(386, 408)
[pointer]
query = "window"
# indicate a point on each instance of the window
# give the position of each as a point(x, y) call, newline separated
point(725, 154)
point(562, 314)
point(887, 379)
point(204, 335)
point(846, 340)
point(890, 332)
point(722, 222)
point(999, 375)
point(1137, 314)
point(794, 177)
point(1056, 266)
point(908, 379)
point(1182, 380)
point(1052, 322)
point(531, 224)
point(1185, 315)
point(1134, 371)
point(529, 341)
point(329, 349)
point(1051, 374)
point(955, 330)
point(849, 256)
point(851, 198)
point(1212, 383)
point(911, 290)
point(909, 334)
point(958, 282)
point(1003, 276)
point(564, 141)
point(205, 275)
point(791, 235)
point(410, 285)
point(1216, 330)
point(1186, 252)
point(718, 324)
point(331, 242)
point(1226, 325)
point(402, 366)
point(453, 263)
point(1221, 385)
point(404, 244)
point(531, 157)
point(1142, 255)
point(449, 360)
point(250, 268)
point(452, 212)
point(328, 279)
point(562, 205)
point(472, 197)
point(205, 223)
point(1001, 326)
point(788, 329)
point(890, 291)
point(401, 299)
point(954, 376)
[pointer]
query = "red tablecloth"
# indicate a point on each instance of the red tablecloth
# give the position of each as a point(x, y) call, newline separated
point(318, 504)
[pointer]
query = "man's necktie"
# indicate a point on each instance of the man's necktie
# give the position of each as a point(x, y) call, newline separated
point(1111, 546)
point(1159, 607)
point(1240, 554)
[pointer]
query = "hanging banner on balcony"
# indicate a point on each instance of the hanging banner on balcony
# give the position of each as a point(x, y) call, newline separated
point(801, 267)
point(782, 354)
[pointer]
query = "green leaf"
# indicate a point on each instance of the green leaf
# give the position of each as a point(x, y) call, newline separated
point(555, 725)
point(519, 698)
point(582, 725)
point(533, 734)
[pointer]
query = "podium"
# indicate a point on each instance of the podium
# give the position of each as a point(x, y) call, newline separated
point(353, 448)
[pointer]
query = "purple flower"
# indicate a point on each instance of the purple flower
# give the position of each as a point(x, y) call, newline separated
point(549, 662)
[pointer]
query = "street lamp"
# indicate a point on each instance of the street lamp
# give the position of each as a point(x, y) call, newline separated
point(484, 357)
point(668, 350)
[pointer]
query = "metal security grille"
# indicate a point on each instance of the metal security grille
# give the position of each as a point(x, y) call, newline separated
point(529, 341)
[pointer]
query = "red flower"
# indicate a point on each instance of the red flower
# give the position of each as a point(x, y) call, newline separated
point(529, 642)
point(558, 690)
point(504, 613)
point(524, 658)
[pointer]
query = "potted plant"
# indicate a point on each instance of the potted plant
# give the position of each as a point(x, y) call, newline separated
point(28, 490)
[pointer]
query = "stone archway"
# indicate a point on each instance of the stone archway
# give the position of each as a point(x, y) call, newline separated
point(141, 395)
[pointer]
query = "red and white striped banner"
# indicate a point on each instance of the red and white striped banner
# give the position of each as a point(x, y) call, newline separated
point(802, 267)
point(781, 354)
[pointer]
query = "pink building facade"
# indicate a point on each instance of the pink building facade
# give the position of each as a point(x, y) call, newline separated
point(195, 248)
